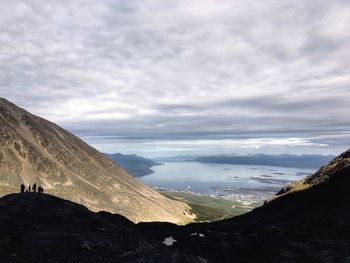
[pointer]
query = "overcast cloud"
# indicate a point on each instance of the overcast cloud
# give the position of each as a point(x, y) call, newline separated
point(145, 76)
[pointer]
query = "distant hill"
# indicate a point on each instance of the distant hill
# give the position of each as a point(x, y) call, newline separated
point(133, 164)
point(282, 160)
point(33, 149)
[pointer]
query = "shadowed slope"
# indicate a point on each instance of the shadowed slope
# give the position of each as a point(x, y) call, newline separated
point(49, 229)
point(325, 173)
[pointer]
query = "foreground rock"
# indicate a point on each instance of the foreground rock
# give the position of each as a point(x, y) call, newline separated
point(48, 229)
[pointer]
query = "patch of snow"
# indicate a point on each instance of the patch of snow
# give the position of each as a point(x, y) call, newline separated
point(201, 235)
point(169, 241)
point(86, 245)
point(193, 234)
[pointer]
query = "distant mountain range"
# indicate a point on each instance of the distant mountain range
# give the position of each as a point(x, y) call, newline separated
point(282, 160)
point(133, 164)
point(33, 149)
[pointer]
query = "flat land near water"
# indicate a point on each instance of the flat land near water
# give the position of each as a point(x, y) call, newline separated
point(208, 208)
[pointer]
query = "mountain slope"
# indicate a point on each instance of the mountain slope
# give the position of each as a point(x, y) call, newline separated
point(325, 173)
point(36, 150)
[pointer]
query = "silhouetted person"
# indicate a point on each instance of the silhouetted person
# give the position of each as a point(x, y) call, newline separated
point(22, 188)
point(34, 187)
point(29, 188)
point(40, 190)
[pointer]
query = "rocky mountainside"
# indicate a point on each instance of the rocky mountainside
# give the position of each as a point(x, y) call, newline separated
point(36, 150)
point(312, 225)
point(328, 171)
point(324, 174)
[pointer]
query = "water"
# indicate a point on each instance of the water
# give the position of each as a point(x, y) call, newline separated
point(251, 182)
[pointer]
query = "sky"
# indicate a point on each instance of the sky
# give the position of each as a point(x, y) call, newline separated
point(179, 77)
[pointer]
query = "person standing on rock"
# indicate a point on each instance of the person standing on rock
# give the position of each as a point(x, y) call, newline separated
point(22, 188)
point(34, 187)
point(40, 189)
point(29, 188)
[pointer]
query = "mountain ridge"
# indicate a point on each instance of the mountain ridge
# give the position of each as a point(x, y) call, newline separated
point(279, 160)
point(325, 173)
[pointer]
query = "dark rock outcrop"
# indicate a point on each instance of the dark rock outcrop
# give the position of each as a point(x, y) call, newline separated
point(44, 228)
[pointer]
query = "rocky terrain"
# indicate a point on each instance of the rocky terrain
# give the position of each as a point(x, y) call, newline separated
point(310, 225)
point(44, 228)
point(325, 173)
point(36, 150)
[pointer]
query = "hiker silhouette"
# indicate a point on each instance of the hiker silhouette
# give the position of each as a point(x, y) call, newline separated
point(40, 190)
point(22, 188)
point(29, 188)
point(34, 187)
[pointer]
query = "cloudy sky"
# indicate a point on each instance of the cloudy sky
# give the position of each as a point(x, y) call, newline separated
point(174, 77)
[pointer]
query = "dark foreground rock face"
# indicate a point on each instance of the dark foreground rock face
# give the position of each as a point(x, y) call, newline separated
point(45, 228)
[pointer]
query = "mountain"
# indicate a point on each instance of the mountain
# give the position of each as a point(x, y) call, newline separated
point(326, 172)
point(310, 225)
point(282, 160)
point(133, 164)
point(36, 150)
